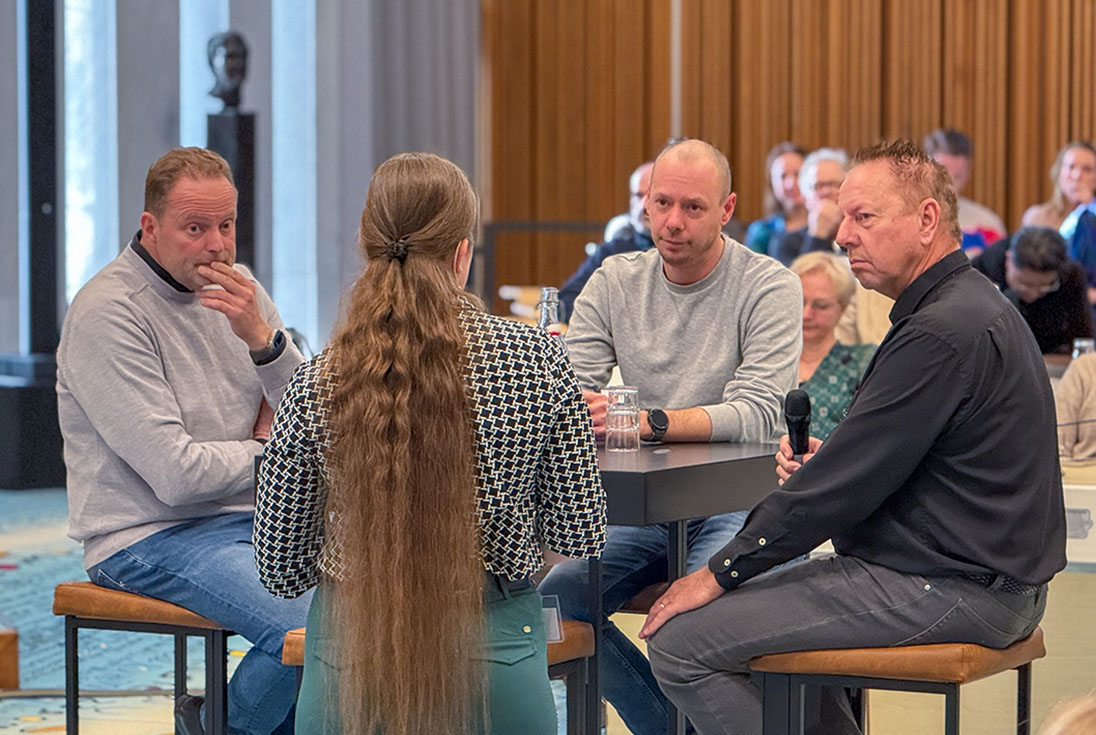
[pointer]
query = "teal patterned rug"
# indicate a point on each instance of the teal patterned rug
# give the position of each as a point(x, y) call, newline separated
point(36, 555)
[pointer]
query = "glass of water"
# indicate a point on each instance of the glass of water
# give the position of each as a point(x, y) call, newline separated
point(622, 419)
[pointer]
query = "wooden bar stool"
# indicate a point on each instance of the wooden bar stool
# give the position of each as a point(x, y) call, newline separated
point(939, 668)
point(568, 660)
point(87, 605)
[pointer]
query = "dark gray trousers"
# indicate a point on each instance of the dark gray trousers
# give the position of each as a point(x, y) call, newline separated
point(700, 658)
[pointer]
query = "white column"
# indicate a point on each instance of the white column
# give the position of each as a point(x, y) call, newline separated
point(294, 165)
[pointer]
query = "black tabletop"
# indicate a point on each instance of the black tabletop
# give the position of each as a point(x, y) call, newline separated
point(670, 482)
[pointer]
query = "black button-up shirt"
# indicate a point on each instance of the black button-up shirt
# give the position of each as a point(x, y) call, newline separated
point(947, 460)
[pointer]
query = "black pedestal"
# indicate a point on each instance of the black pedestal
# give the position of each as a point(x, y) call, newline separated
point(232, 134)
point(30, 438)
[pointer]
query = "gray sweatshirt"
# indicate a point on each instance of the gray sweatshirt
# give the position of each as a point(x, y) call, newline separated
point(157, 401)
point(728, 343)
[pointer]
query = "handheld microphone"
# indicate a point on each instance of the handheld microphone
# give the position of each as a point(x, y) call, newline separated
point(797, 413)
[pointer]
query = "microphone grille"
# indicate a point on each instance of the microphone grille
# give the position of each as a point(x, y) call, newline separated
point(797, 404)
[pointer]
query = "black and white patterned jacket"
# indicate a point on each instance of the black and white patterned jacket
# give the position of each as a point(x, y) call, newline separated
point(537, 474)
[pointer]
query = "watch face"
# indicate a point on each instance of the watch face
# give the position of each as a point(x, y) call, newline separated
point(658, 419)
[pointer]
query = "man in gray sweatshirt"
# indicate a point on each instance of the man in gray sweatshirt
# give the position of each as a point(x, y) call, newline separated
point(171, 359)
point(710, 332)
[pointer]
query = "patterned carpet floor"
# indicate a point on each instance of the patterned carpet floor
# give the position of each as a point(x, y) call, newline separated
point(35, 555)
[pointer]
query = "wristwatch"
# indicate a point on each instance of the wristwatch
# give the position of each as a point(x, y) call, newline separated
point(659, 422)
point(271, 351)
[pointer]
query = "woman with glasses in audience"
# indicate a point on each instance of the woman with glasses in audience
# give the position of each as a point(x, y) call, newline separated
point(828, 370)
point(418, 471)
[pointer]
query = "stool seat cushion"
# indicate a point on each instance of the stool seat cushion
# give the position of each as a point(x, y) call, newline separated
point(293, 648)
point(578, 642)
point(939, 662)
point(644, 600)
point(88, 600)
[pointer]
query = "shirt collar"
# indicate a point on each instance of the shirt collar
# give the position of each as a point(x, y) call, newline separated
point(909, 299)
point(138, 248)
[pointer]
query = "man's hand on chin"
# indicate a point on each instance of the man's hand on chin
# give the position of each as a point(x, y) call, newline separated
point(688, 593)
point(236, 300)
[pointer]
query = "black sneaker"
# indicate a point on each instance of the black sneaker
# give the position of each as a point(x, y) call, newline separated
point(188, 715)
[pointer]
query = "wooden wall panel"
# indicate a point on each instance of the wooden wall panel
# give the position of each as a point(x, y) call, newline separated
point(508, 54)
point(976, 60)
point(762, 70)
point(580, 94)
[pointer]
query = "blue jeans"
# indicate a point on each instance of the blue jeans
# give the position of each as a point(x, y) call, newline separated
point(208, 566)
point(701, 657)
point(634, 557)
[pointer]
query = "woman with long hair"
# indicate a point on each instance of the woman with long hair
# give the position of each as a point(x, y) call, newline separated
point(785, 209)
point(1074, 177)
point(418, 470)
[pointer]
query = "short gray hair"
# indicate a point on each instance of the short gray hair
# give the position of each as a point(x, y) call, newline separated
point(807, 173)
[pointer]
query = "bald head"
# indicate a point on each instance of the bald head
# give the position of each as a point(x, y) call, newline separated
point(692, 151)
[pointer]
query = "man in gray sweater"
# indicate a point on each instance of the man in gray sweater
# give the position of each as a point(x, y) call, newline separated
point(710, 332)
point(170, 360)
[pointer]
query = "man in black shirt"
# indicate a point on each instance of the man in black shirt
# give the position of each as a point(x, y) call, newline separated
point(940, 489)
point(1034, 272)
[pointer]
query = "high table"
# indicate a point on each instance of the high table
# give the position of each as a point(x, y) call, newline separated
point(674, 483)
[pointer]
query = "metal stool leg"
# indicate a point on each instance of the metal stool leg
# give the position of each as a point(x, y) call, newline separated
point(575, 696)
point(776, 694)
point(216, 682)
point(72, 677)
point(951, 710)
point(1023, 699)
point(180, 665)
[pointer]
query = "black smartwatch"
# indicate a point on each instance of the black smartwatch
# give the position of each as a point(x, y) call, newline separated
point(659, 422)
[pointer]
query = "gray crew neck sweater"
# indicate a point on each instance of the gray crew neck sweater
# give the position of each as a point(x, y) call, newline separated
point(157, 400)
point(728, 343)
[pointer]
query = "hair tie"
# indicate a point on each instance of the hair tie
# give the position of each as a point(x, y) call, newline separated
point(398, 250)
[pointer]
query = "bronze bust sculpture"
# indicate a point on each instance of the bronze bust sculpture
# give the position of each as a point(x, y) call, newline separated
point(228, 60)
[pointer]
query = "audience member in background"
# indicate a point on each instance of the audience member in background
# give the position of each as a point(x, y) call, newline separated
point(1075, 717)
point(1032, 269)
point(1074, 178)
point(980, 225)
point(819, 180)
point(170, 360)
point(634, 218)
point(413, 473)
point(633, 234)
point(1075, 399)
point(710, 334)
point(828, 370)
point(784, 206)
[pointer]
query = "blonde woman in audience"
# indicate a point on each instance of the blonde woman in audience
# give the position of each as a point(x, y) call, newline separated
point(828, 370)
point(1075, 717)
point(418, 471)
point(1074, 177)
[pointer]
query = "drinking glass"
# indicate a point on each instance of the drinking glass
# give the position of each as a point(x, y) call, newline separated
point(622, 419)
point(1083, 346)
